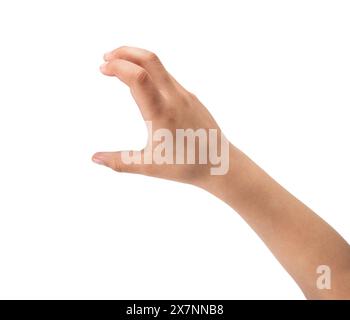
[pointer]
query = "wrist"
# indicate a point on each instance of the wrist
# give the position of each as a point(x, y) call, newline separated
point(243, 182)
point(221, 185)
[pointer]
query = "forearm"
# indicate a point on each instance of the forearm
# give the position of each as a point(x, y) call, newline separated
point(299, 239)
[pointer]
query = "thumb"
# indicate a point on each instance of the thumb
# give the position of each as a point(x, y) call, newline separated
point(117, 162)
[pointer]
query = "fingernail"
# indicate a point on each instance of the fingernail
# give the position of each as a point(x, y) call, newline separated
point(107, 55)
point(103, 66)
point(98, 160)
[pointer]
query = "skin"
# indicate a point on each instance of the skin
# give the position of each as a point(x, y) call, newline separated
point(299, 239)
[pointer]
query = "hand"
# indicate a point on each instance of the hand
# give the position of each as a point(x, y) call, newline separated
point(166, 107)
point(299, 239)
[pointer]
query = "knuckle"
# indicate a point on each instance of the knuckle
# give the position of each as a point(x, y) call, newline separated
point(141, 77)
point(192, 96)
point(151, 57)
point(116, 166)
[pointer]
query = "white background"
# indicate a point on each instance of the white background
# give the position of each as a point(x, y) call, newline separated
point(275, 75)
